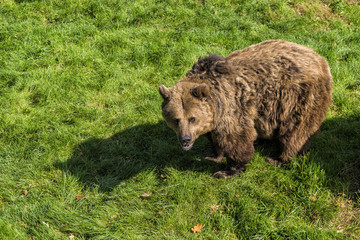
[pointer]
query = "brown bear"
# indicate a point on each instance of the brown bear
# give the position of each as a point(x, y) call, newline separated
point(274, 89)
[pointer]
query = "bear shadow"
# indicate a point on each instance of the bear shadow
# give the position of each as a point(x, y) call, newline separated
point(337, 150)
point(104, 163)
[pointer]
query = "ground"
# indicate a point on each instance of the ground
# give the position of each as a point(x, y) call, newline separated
point(82, 136)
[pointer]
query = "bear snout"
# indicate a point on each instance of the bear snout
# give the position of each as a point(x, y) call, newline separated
point(186, 142)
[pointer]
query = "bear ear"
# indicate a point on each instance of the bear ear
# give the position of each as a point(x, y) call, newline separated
point(202, 91)
point(164, 92)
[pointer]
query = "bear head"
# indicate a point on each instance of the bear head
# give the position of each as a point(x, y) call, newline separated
point(187, 111)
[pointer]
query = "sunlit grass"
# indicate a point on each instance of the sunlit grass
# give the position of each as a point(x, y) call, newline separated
point(82, 137)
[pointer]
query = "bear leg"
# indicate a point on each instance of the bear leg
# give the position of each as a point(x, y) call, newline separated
point(296, 142)
point(218, 154)
point(240, 155)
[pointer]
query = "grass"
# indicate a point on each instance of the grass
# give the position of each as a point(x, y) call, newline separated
point(82, 137)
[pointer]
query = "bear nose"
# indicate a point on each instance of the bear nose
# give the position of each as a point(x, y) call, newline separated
point(185, 139)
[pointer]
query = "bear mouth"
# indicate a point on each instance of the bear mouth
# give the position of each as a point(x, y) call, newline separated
point(187, 146)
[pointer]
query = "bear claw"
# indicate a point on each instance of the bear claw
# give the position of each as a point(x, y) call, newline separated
point(225, 174)
point(274, 162)
point(214, 158)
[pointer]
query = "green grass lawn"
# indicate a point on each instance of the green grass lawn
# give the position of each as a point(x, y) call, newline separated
point(85, 153)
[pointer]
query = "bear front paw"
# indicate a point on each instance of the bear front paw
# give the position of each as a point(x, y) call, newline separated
point(275, 162)
point(225, 174)
point(214, 158)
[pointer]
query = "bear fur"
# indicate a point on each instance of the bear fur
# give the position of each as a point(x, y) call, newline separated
point(272, 90)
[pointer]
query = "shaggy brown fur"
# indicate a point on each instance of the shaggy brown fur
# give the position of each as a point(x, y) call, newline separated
point(274, 89)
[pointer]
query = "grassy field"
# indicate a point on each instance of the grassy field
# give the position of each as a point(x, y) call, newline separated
point(85, 153)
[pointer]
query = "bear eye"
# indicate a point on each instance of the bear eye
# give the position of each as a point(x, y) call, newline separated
point(192, 120)
point(177, 121)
